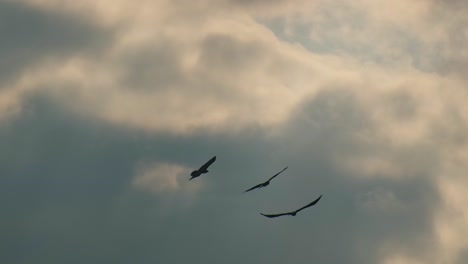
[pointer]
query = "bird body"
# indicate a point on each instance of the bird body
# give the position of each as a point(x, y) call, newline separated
point(203, 169)
point(264, 184)
point(293, 213)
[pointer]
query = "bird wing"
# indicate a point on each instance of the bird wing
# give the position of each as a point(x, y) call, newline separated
point(260, 184)
point(278, 173)
point(207, 164)
point(255, 187)
point(274, 215)
point(309, 205)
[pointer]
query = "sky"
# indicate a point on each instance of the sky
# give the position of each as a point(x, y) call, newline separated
point(106, 106)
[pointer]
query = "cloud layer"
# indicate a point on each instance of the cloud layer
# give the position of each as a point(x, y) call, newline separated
point(106, 107)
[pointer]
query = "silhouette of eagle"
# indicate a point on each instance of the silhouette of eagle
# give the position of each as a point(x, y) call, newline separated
point(264, 184)
point(293, 213)
point(203, 169)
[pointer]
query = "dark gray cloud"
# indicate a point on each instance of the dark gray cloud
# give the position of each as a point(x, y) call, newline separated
point(326, 127)
point(67, 198)
point(463, 257)
point(30, 36)
point(66, 195)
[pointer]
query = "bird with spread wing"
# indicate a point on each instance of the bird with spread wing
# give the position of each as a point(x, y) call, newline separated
point(293, 213)
point(264, 184)
point(203, 169)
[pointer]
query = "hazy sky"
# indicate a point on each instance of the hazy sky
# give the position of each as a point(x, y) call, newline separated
point(106, 106)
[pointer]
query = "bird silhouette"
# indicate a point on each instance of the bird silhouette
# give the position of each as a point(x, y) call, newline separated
point(203, 169)
point(293, 213)
point(264, 184)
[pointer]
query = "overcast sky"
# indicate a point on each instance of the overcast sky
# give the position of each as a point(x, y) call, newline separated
point(106, 106)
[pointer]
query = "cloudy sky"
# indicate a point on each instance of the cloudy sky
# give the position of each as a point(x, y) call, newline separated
point(106, 106)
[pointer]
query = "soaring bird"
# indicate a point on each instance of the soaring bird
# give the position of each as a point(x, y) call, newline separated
point(267, 182)
point(293, 213)
point(203, 169)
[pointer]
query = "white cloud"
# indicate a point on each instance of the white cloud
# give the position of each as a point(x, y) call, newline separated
point(163, 177)
point(215, 69)
point(399, 259)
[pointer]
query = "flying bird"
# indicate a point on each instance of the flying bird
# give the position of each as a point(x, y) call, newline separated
point(203, 169)
point(264, 184)
point(293, 213)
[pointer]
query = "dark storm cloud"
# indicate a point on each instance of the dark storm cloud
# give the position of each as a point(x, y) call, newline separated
point(31, 35)
point(66, 195)
point(326, 127)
